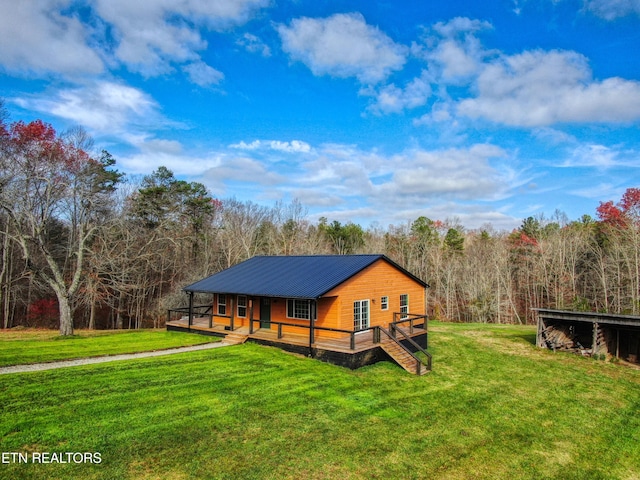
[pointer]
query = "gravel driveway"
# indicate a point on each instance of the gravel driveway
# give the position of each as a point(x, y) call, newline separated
point(35, 367)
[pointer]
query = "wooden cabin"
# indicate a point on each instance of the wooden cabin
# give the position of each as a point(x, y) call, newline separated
point(347, 301)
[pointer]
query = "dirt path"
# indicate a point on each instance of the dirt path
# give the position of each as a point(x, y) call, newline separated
point(35, 367)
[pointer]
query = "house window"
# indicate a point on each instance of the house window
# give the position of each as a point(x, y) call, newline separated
point(360, 314)
point(404, 306)
point(298, 309)
point(242, 306)
point(384, 303)
point(222, 304)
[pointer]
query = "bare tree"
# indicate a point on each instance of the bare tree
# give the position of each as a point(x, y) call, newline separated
point(55, 196)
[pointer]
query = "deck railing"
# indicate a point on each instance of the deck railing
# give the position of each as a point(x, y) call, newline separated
point(312, 330)
point(197, 311)
point(401, 322)
point(413, 320)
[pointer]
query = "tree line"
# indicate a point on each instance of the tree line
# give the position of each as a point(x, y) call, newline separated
point(82, 245)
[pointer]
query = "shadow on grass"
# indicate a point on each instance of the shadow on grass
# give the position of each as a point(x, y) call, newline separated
point(527, 337)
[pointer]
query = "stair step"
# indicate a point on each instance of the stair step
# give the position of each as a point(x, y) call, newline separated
point(403, 358)
point(235, 338)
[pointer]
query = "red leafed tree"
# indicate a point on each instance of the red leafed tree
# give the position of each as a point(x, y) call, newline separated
point(610, 214)
point(44, 311)
point(55, 195)
point(626, 210)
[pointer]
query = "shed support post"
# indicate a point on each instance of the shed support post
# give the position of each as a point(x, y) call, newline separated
point(190, 321)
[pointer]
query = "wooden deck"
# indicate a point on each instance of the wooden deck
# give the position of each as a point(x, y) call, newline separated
point(333, 350)
point(363, 341)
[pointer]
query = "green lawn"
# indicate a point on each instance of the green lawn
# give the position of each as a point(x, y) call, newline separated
point(32, 346)
point(494, 406)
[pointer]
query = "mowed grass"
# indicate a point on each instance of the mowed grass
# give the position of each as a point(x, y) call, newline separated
point(494, 406)
point(23, 346)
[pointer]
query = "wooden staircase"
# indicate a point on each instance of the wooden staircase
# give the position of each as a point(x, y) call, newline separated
point(403, 358)
point(235, 338)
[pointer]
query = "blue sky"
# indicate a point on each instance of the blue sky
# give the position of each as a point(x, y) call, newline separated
point(372, 112)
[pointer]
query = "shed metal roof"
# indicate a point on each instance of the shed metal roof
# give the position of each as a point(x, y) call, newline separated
point(307, 276)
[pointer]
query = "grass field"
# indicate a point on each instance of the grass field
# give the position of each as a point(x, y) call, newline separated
point(19, 346)
point(494, 406)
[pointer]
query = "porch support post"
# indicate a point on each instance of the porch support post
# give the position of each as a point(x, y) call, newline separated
point(233, 310)
point(213, 306)
point(250, 316)
point(190, 322)
point(312, 335)
point(312, 315)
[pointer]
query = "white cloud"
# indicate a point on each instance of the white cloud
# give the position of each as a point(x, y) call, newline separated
point(460, 25)
point(392, 99)
point(454, 53)
point(612, 9)
point(202, 74)
point(554, 136)
point(342, 45)
point(254, 44)
point(600, 191)
point(152, 34)
point(37, 37)
point(148, 37)
point(154, 153)
point(538, 88)
point(462, 173)
point(356, 185)
point(102, 107)
point(601, 157)
point(294, 146)
point(245, 170)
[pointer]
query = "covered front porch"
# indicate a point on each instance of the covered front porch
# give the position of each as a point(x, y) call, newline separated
point(349, 348)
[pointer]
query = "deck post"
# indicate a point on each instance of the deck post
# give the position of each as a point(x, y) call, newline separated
point(312, 333)
point(233, 310)
point(212, 310)
point(190, 322)
point(251, 316)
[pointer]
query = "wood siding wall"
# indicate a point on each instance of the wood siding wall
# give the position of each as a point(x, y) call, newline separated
point(374, 282)
point(335, 309)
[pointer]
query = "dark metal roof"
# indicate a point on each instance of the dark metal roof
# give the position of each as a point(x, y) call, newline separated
point(308, 276)
point(589, 317)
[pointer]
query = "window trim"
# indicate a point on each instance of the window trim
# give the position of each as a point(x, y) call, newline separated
point(404, 309)
point(384, 302)
point(222, 304)
point(292, 305)
point(239, 305)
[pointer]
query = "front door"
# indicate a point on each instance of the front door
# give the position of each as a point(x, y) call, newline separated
point(265, 312)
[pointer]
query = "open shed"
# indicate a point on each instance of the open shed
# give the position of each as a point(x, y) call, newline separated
point(589, 333)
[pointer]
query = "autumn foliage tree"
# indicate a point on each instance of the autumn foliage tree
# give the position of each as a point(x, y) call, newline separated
point(55, 196)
